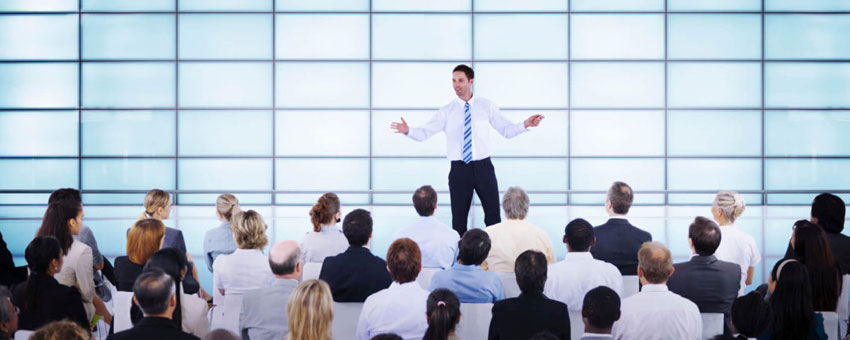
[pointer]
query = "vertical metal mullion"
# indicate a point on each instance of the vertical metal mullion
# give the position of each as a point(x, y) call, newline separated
point(274, 106)
point(371, 111)
point(176, 100)
point(666, 113)
point(569, 103)
point(471, 215)
point(80, 94)
point(764, 209)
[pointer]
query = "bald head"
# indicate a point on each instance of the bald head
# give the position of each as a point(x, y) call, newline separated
point(285, 260)
point(655, 262)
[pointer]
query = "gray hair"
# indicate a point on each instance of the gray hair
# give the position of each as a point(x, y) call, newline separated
point(731, 205)
point(515, 203)
point(5, 315)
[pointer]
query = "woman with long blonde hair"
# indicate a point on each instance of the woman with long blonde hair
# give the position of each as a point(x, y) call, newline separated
point(327, 238)
point(219, 240)
point(310, 311)
point(246, 268)
point(736, 245)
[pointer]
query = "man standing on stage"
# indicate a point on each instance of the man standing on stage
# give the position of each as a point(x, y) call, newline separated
point(464, 120)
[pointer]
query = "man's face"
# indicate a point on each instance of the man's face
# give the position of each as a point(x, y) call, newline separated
point(10, 326)
point(461, 84)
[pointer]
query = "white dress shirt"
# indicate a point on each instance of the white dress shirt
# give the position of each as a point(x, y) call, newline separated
point(658, 314)
point(449, 119)
point(569, 280)
point(509, 239)
point(194, 314)
point(399, 309)
point(244, 270)
point(77, 272)
point(436, 240)
point(740, 248)
point(319, 245)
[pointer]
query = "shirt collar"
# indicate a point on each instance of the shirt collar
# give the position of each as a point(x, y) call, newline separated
point(329, 228)
point(596, 335)
point(461, 102)
point(619, 217)
point(654, 287)
point(242, 250)
point(405, 286)
point(578, 255)
point(703, 259)
point(284, 282)
point(466, 267)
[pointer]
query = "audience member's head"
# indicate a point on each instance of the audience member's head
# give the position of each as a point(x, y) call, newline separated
point(828, 211)
point(544, 335)
point(325, 211)
point(600, 309)
point(813, 250)
point(62, 220)
point(578, 235)
point(8, 315)
point(144, 238)
point(44, 258)
point(727, 207)
point(153, 292)
point(285, 260)
point(310, 311)
point(425, 200)
point(404, 260)
point(173, 263)
point(619, 199)
point(357, 227)
point(515, 203)
point(442, 311)
point(655, 264)
point(751, 315)
point(386, 336)
point(249, 230)
point(157, 205)
point(226, 205)
point(473, 247)
point(65, 194)
point(791, 301)
point(530, 269)
point(221, 334)
point(704, 235)
point(61, 330)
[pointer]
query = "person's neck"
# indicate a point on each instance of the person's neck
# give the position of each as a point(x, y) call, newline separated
point(467, 97)
point(616, 215)
point(595, 330)
point(166, 315)
point(287, 277)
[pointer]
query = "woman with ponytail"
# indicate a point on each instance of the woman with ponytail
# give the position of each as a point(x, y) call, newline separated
point(219, 240)
point(327, 238)
point(443, 314)
point(736, 245)
point(191, 311)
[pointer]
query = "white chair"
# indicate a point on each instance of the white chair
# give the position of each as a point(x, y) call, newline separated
point(576, 325)
point(425, 276)
point(121, 304)
point(346, 316)
point(712, 325)
point(830, 324)
point(509, 282)
point(227, 315)
point(631, 285)
point(842, 310)
point(311, 271)
point(474, 321)
point(23, 335)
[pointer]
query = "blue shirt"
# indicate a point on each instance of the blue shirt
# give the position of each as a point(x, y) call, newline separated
point(470, 283)
point(218, 241)
point(436, 240)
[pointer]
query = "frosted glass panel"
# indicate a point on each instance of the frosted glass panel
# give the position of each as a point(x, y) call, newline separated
point(714, 5)
point(807, 133)
point(714, 84)
point(225, 174)
point(816, 36)
point(33, 133)
point(128, 133)
point(322, 174)
point(406, 85)
point(417, 5)
point(322, 133)
point(548, 139)
point(617, 36)
point(226, 5)
point(714, 174)
point(226, 84)
point(512, 36)
point(811, 5)
point(225, 133)
point(128, 85)
point(617, 133)
point(386, 142)
point(128, 36)
point(807, 174)
point(32, 174)
point(320, 36)
point(322, 85)
point(598, 174)
point(807, 84)
point(550, 174)
point(128, 174)
point(521, 84)
point(615, 85)
point(714, 36)
point(409, 174)
point(714, 133)
point(322, 5)
point(44, 85)
point(528, 5)
point(617, 5)
point(128, 5)
point(38, 36)
point(226, 36)
point(38, 6)
point(421, 36)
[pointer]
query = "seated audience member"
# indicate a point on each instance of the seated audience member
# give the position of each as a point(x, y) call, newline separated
point(531, 312)
point(828, 212)
point(655, 312)
point(219, 240)
point(61, 330)
point(154, 293)
point(310, 311)
point(736, 245)
point(794, 316)
point(465, 278)
point(600, 309)
point(569, 280)
point(706, 281)
point(400, 308)
point(443, 314)
point(43, 299)
point(355, 274)
point(326, 239)
point(190, 314)
point(247, 268)
point(8, 315)
point(812, 249)
point(221, 334)
point(143, 239)
point(751, 318)
point(263, 315)
point(437, 240)
point(514, 236)
point(9, 273)
point(386, 336)
point(618, 241)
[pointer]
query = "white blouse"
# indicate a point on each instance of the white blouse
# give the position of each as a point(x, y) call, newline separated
point(241, 271)
point(77, 271)
point(319, 245)
point(738, 247)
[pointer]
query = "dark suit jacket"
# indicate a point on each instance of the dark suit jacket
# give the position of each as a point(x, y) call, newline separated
point(53, 302)
point(9, 274)
point(526, 315)
point(708, 282)
point(618, 242)
point(355, 274)
point(153, 329)
point(840, 246)
point(126, 273)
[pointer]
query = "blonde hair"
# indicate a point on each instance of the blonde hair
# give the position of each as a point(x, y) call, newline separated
point(143, 239)
point(731, 205)
point(324, 210)
point(60, 330)
point(249, 230)
point(227, 205)
point(656, 262)
point(154, 200)
point(310, 311)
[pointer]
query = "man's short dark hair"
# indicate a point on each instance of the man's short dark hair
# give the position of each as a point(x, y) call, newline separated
point(425, 200)
point(404, 260)
point(621, 196)
point(65, 194)
point(829, 210)
point(530, 269)
point(357, 227)
point(386, 336)
point(601, 307)
point(473, 247)
point(287, 267)
point(153, 290)
point(705, 234)
point(470, 74)
point(579, 234)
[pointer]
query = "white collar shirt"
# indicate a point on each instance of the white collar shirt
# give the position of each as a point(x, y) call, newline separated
point(436, 240)
point(399, 309)
point(241, 271)
point(569, 280)
point(330, 241)
point(740, 248)
point(658, 314)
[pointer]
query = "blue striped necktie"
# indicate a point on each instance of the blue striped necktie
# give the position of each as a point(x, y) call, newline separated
point(467, 134)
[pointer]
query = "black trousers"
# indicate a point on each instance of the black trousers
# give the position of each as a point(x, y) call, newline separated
point(463, 179)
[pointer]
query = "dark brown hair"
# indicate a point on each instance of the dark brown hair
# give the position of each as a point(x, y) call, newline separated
point(404, 260)
point(425, 200)
point(55, 222)
point(324, 210)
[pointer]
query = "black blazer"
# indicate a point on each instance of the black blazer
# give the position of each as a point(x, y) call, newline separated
point(840, 246)
point(355, 274)
point(150, 328)
point(708, 282)
point(618, 242)
point(53, 302)
point(9, 274)
point(126, 272)
point(528, 314)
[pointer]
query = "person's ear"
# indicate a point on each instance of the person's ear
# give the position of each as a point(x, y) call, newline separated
point(640, 272)
point(564, 239)
point(135, 301)
point(672, 270)
point(618, 315)
point(593, 242)
point(173, 301)
point(299, 267)
point(814, 220)
point(471, 80)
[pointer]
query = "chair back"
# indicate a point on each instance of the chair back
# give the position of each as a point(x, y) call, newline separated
point(576, 325)
point(631, 285)
point(474, 321)
point(830, 324)
point(227, 315)
point(311, 271)
point(121, 304)
point(712, 325)
point(509, 282)
point(23, 334)
point(346, 316)
point(425, 276)
point(842, 309)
